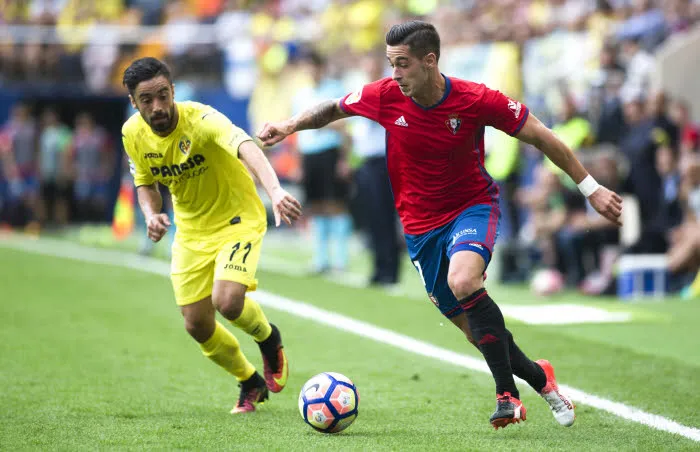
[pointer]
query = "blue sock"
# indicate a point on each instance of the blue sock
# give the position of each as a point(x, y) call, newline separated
point(321, 229)
point(341, 228)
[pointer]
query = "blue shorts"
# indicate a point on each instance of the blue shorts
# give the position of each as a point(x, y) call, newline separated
point(475, 229)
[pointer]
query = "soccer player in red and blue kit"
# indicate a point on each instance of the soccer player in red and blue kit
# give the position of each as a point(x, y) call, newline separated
point(447, 202)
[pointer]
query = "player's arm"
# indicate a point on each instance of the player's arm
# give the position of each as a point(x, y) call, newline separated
point(606, 202)
point(147, 193)
point(284, 205)
point(313, 118)
point(151, 203)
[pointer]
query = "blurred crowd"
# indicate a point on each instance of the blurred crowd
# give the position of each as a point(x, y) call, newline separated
point(631, 135)
point(78, 44)
point(52, 174)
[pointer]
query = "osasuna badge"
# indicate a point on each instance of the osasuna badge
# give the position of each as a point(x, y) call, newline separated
point(454, 123)
point(354, 97)
point(185, 145)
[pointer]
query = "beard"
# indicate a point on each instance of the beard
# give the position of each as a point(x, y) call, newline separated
point(162, 123)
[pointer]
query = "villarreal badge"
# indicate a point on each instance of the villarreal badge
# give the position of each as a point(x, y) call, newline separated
point(453, 123)
point(185, 145)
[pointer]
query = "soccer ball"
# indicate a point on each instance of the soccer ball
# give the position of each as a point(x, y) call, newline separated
point(328, 402)
point(547, 282)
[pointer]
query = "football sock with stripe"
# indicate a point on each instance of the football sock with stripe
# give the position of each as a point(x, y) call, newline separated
point(253, 321)
point(489, 331)
point(223, 348)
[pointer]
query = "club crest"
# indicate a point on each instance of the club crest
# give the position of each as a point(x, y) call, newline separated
point(454, 123)
point(185, 145)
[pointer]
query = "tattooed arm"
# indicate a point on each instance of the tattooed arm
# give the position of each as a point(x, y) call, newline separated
point(314, 118)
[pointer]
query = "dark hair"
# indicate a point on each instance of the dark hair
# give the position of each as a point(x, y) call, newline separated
point(421, 37)
point(144, 69)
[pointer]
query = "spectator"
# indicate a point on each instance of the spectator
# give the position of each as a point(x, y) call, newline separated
point(655, 233)
point(684, 254)
point(54, 141)
point(656, 111)
point(689, 132)
point(638, 146)
point(547, 208)
point(21, 130)
point(325, 173)
point(91, 163)
point(639, 65)
point(376, 201)
point(606, 106)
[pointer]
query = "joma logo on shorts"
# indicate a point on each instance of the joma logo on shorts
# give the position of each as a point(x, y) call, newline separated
point(176, 170)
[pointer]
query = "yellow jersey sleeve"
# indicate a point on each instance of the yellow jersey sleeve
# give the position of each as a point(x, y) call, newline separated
point(141, 173)
point(222, 132)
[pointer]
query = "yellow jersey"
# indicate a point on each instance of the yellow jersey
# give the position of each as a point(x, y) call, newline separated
point(198, 162)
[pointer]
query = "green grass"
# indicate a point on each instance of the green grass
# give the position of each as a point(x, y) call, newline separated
point(95, 357)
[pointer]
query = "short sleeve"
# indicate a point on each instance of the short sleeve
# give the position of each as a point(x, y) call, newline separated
point(142, 174)
point(502, 112)
point(222, 132)
point(365, 101)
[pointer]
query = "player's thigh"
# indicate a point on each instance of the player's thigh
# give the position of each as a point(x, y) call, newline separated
point(238, 258)
point(431, 263)
point(191, 273)
point(466, 273)
point(470, 244)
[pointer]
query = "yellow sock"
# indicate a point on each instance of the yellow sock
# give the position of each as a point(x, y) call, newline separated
point(253, 321)
point(223, 348)
point(695, 286)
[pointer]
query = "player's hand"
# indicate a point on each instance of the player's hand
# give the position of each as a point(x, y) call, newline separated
point(274, 132)
point(285, 206)
point(157, 225)
point(608, 204)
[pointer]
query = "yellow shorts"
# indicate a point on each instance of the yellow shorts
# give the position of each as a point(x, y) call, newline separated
point(196, 264)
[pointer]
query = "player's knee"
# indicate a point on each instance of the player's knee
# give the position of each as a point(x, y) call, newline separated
point(229, 301)
point(464, 284)
point(199, 327)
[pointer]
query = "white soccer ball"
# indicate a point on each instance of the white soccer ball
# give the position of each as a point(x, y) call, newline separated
point(328, 402)
point(547, 282)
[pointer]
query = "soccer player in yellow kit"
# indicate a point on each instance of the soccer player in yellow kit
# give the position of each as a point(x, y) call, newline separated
point(205, 160)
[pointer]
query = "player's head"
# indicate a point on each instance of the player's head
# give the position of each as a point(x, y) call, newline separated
point(151, 92)
point(413, 50)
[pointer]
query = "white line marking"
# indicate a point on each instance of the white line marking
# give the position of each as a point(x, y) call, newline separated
point(85, 254)
point(563, 314)
point(548, 314)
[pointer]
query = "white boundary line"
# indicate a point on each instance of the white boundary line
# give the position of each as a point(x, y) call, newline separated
point(102, 256)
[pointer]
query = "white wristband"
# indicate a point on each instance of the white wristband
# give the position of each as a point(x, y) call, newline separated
point(588, 186)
